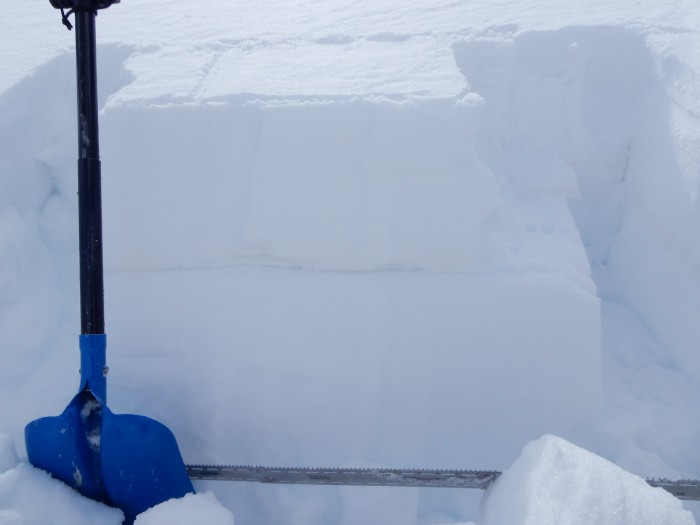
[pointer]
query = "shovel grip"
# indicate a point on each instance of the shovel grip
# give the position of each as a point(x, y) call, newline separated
point(93, 365)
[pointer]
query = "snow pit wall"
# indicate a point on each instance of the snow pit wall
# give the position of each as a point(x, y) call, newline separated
point(333, 249)
point(320, 184)
point(607, 117)
point(285, 366)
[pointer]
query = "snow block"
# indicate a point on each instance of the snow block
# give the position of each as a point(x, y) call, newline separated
point(354, 261)
point(392, 367)
point(359, 184)
point(555, 481)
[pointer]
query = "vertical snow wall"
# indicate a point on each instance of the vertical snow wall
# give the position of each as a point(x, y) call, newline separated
point(341, 280)
point(332, 250)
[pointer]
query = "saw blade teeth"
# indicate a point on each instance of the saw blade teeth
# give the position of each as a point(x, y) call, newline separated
point(687, 489)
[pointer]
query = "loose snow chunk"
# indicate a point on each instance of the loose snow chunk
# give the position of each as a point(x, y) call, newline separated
point(29, 496)
point(193, 508)
point(8, 455)
point(555, 482)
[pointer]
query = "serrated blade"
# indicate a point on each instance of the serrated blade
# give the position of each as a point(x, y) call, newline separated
point(686, 489)
point(476, 479)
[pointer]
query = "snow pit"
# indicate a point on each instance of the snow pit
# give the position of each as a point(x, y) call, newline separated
point(556, 482)
point(358, 241)
point(193, 508)
point(358, 263)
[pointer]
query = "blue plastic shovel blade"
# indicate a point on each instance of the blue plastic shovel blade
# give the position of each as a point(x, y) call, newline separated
point(127, 461)
point(59, 445)
point(140, 462)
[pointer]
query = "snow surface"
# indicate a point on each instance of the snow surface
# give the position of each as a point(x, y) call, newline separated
point(29, 496)
point(400, 233)
point(193, 508)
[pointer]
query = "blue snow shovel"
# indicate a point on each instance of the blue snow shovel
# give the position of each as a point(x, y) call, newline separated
point(127, 461)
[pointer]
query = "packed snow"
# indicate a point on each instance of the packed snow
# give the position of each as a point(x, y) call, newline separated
point(554, 481)
point(193, 508)
point(29, 496)
point(8, 454)
point(414, 234)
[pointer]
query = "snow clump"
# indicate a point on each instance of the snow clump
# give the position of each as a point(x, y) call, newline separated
point(29, 496)
point(555, 482)
point(193, 508)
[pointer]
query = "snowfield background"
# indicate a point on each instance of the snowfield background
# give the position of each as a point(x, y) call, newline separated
point(368, 233)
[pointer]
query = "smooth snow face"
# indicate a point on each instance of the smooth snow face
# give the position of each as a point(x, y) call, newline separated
point(193, 508)
point(554, 481)
point(321, 184)
point(338, 358)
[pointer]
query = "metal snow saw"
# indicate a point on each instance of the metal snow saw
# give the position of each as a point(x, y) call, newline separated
point(127, 461)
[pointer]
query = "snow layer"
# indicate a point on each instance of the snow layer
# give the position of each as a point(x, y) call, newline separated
point(554, 481)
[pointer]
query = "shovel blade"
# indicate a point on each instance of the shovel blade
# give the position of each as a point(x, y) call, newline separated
point(140, 463)
point(59, 446)
point(126, 461)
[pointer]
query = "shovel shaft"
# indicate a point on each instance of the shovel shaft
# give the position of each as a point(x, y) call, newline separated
point(91, 273)
point(89, 178)
point(86, 61)
point(93, 365)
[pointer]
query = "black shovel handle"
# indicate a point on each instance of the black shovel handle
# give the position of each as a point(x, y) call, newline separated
point(89, 178)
